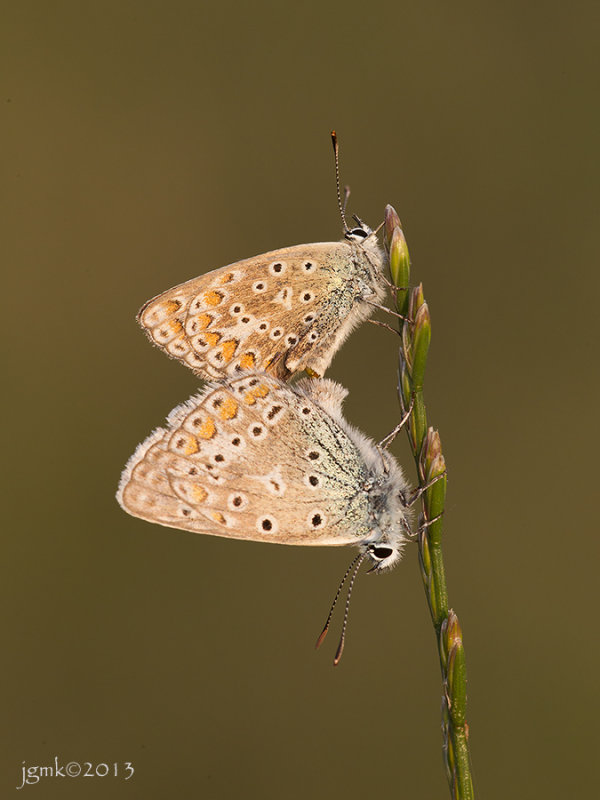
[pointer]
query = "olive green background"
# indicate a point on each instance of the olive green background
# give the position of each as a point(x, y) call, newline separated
point(147, 142)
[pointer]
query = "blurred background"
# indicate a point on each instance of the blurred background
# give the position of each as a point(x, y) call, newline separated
point(145, 143)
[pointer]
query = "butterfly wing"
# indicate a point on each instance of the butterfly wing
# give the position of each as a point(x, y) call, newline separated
point(282, 311)
point(251, 459)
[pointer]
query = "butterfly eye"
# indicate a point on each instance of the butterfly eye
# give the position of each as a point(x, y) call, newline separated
point(357, 234)
point(381, 553)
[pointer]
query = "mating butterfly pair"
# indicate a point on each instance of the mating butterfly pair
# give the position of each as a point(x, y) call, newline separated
point(250, 456)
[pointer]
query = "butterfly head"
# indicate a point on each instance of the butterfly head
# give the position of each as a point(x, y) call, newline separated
point(360, 232)
point(364, 240)
point(383, 555)
point(389, 517)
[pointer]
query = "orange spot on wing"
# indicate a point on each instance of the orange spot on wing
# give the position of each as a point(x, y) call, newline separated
point(261, 390)
point(247, 361)
point(227, 278)
point(252, 394)
point(228, 349)
point(175, 325)
point(191, 447)
point(229, 408)
point(212, 338)
point(203, 321)
point(208, 429)
point(171, 306)
point(212, 298)
point(218, 517)
point(199, 494)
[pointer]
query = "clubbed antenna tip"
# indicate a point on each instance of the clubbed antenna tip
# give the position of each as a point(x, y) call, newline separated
point(341, 206)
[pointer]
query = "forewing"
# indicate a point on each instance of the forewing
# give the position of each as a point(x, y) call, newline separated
point(251, 315)
point(251, 459)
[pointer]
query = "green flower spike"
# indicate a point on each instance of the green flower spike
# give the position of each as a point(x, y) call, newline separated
point(397, 250)
point(431, 468)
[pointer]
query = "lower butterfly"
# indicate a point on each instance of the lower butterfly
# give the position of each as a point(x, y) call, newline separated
point(257, 459)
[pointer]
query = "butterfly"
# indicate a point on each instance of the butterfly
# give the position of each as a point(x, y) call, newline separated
point(281, 312)
point(258, 459)
point(255, 458)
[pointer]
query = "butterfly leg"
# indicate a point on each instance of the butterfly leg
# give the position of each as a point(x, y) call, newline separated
point(387, 440)
point(407, 502)
point(414, 535)
point(383, 325)
point(393, 288)
point(389, 311)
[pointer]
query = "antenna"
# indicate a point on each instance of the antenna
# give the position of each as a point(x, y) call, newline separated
point(340, 649)
point(354, 567)
point(341, 206)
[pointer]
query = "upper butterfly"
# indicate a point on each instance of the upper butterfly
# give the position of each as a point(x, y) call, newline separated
point(282, 312)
